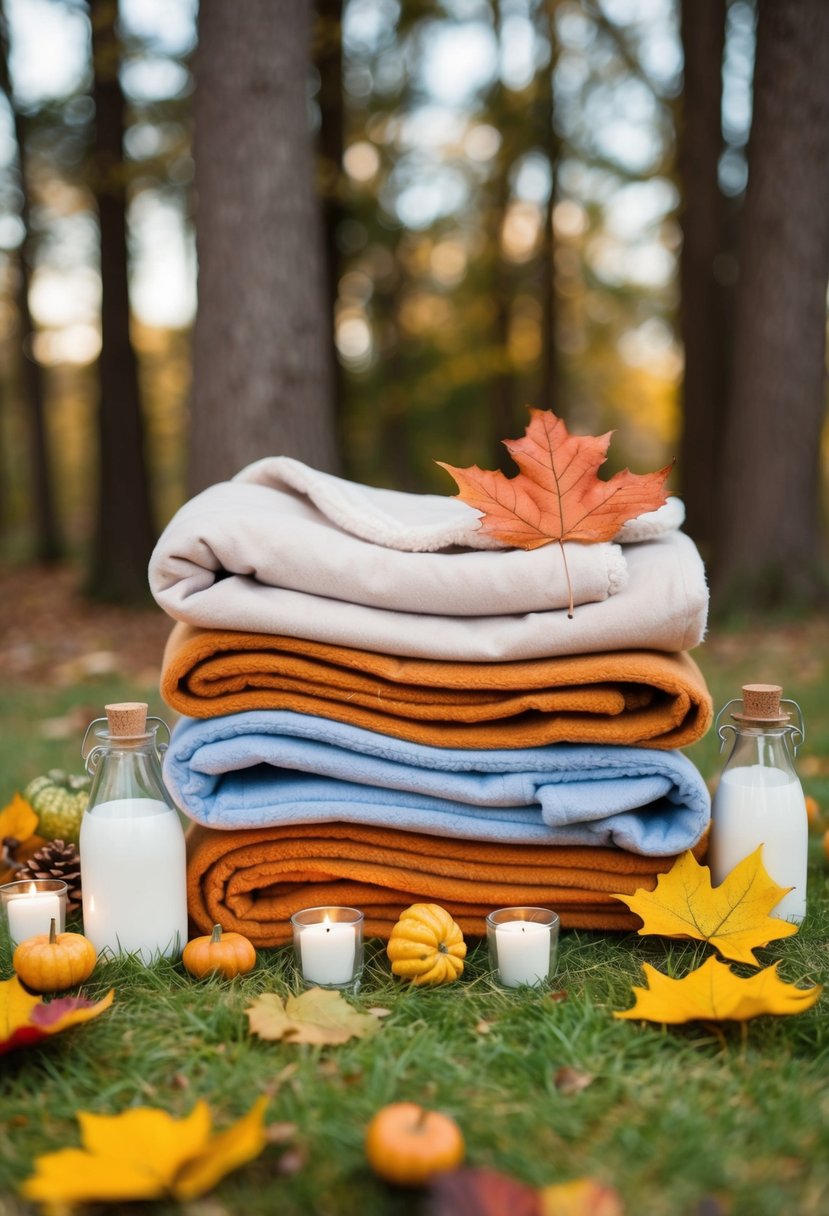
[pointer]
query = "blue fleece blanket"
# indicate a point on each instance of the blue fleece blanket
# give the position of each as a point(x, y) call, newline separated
point(270, 767)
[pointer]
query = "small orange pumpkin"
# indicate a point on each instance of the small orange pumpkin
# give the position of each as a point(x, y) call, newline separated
point(407, 1144)
point(426, 946)
point(228, 954)
point(53, 961)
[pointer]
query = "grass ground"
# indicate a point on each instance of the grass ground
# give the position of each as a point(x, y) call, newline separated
point(680, 1121)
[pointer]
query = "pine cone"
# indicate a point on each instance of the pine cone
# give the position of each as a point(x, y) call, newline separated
point(56, 860)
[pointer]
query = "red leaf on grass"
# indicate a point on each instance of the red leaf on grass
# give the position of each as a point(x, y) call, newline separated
point(26, 1019)
point(481, 1192)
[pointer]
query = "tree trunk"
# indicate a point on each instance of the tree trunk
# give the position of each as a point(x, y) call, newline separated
point(328, 60)
point(704, 234)
point(47, 535)
point(501, 393)
point(770, 550)
point(124, 534)
point(550, 396)
point(262, 360)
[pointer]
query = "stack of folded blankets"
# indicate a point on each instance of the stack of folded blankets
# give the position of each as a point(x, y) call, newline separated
point(382, 706)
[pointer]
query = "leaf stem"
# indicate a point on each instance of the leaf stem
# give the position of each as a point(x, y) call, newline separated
point(570, 609)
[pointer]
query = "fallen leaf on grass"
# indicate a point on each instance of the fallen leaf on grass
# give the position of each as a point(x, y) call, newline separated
point(713, 993)
point(144, 1153)
point(733, 917)
point(572, 1080)
point(319, 1015)
point(26, 1019)
point(481, 1192)
point(18, 836)
point(18, 819)
point(557, 495)
point(582, 1197)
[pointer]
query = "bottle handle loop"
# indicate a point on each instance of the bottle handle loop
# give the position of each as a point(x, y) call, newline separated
point(727, 726)
point(91, 754)
point(797, 734)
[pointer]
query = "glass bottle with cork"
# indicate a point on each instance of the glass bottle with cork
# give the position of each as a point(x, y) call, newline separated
point(759, 799)
point(132, 852)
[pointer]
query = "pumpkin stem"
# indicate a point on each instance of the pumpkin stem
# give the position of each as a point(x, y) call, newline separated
point(52, 933)
point(420, 1121)
point(216, 935)
point(443, 948)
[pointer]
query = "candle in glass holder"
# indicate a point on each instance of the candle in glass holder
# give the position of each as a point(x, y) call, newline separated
point(328, 945)
point(32, 905)
point(522, 944)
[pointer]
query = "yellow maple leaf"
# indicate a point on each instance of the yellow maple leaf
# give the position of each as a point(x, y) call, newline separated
point(320, 1015)
point(18, 819)
point(713, 993)
point(733, 917)
point(145, 1154)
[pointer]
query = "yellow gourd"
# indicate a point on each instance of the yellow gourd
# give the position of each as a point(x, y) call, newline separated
point(408, 1145)
point(229, 954)
point(53, 961)
point(426, 946)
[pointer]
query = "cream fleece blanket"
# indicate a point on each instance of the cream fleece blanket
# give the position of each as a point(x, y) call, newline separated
point(249, 556)
point(415, 523)
point(663, 607)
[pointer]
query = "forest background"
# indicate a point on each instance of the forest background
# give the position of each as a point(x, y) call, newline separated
point(411, 219)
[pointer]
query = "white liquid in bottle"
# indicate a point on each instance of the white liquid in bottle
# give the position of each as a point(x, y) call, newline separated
point(132, 854)
point(755, 805)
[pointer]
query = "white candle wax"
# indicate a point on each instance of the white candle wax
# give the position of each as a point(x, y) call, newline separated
point(327, 951)
point(31, 913)
point(523, 948)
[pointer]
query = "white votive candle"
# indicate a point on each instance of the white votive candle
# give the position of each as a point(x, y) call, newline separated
point(327, 952)
point(31, 913)
point(523, 948)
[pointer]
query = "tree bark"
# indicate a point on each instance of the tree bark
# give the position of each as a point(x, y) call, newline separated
point(124, 530)
point(46, 532)
point(550, 396)
point(262, 360)
point(328, 59)
point(770, 545)
point(702, 311)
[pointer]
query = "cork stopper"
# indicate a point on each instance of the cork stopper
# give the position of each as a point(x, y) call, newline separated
point(761, 703)
point(127, 719)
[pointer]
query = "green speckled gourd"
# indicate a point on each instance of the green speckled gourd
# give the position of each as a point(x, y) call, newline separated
point(59, 799)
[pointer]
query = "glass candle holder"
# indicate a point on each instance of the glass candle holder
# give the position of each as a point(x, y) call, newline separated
point(29, 906)
point(328, 946)
point(523, 943)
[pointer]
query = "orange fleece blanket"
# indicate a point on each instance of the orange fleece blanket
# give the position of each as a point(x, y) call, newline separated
point(634, 697)
point(253, 881)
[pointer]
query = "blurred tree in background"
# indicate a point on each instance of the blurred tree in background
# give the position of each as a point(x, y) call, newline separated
point(262, 352)
point(522, 202)
point(27, 373)
point(124, 532)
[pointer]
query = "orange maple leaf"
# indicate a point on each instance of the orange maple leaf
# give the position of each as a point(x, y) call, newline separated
point(557, 495)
